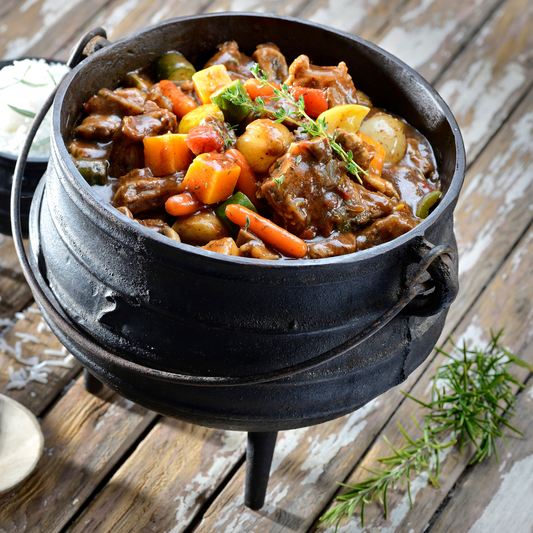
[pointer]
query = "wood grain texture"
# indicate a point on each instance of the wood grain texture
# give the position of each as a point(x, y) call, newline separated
point(85, 436)
point(497, 497)
point(290, 8)
point(428, 34)
point(165, 481)
point(491, 75)
point(360, 17)
point(35, 396)
point(14, 291)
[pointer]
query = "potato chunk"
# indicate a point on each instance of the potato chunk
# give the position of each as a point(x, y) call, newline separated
point(200, 228)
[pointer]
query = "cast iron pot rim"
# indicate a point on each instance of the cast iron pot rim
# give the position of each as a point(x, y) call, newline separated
point(93, 202)
point(10, 157)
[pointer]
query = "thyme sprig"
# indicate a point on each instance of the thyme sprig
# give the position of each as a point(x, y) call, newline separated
point(472, 398)
point(295, 114)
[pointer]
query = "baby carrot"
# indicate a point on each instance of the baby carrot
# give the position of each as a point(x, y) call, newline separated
point(182, 204)
point(181, 103)
point(269, 232)
point(247, 182)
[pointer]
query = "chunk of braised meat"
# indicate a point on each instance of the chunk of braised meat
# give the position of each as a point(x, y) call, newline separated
point(362, 152)
point(160, 226)
point(385, 229)
point(335, 81)
point(119, 102)
point(252, 246)
point(140, 191)
point(338, 244)
point(98, 127)
point(155, 95)
point(272, 62)
point(409, 182)
point(311, 194)
point(237, 64)
point(84, 149)
point(148, 124)
point(419, 154)
point(125, 156)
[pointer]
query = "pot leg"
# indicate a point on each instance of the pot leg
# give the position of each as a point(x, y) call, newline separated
point(90, 383)
point(258, 461)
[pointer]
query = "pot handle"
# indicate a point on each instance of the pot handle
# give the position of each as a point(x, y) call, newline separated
point(431, 285)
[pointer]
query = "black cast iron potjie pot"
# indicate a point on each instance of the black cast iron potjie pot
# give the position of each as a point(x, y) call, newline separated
point(230, 342)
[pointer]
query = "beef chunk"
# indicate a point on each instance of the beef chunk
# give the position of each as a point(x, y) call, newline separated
point(140, 191)
point(148, 124)
point(339, 244)
point(252, 246)
point(420, 156)
point(83, 149)
point(119, 102)
point(237, 64)
point(410, 183)
point(385, 230)
point(98, 127)
point(272, 62)
point(125, 156)
point(335, 81)
point(310, 192)
point(155, 95)
point(362, 152)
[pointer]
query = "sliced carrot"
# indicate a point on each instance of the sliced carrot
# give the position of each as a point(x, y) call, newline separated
point(182, 204)
point(212, 177)
point(257, 88)
point(376, 165)
point(265, 229)
point(314, 99)
point(181, 103)
point(166, 154)
point(247, 182)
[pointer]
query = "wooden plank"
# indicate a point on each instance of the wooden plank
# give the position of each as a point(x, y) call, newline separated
point(122, 18)
point(14, 291)
point(289, 8)
point(428, 34)
point(166, 493)
point(497, 497)
point(491, 75)
point(27, 330)
point(40, 27)
point(85, 436)
point(359, 17)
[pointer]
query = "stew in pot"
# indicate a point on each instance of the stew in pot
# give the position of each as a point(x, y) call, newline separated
point(253, 157)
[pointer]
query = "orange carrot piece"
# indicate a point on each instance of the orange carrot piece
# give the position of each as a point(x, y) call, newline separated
point(376, 165)
point(257, 88)
point(247, 182)
point(182, 204)
point(265, 229)
point(314, 99)
point(166, 154)
point(181, 103)
point(212, 177)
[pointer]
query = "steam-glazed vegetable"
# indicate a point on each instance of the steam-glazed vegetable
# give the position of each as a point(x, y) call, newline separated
point(254, 157)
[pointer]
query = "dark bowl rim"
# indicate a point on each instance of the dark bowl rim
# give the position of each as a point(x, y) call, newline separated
point(12, 157)
point(92, 201)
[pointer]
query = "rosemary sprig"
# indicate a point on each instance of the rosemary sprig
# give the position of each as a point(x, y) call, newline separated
point(24, 112)
point(296, 114)
point(472, 396)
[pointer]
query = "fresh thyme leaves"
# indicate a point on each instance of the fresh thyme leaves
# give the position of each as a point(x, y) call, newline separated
point(472, 397)
point(295, 114)
point(247, 223)
point(279, 180)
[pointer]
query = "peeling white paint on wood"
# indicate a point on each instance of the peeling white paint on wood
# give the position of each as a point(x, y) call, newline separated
point(477, 98)
point(505, 512)
point(322, 452)
point(118, 15)
point(352, 12)
point(417, 46)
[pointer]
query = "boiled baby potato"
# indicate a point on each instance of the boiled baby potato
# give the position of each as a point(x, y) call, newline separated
point(194, 118)
point(263, 142)
point(389, 132)
point(344, 117)
point(200, 228)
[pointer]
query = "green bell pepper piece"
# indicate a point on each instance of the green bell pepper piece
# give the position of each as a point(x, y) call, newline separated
point(427, 202)
point(233, 113)
point(240, 199)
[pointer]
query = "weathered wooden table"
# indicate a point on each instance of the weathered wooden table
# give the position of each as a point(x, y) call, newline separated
point(110, 465)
